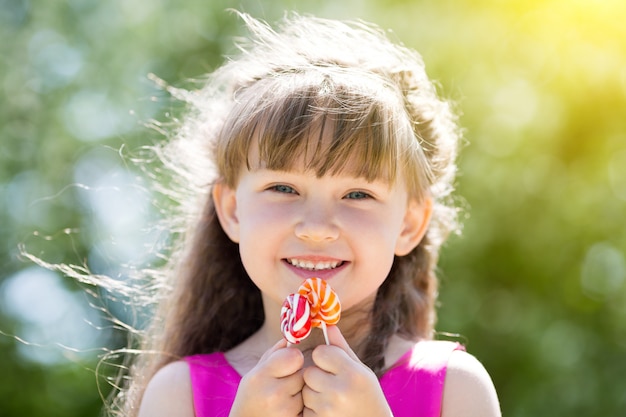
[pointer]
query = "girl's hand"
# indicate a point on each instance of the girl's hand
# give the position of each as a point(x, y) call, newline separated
point(273, 387)
point(339, 384)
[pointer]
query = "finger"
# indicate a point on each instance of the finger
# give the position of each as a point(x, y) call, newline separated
point(282, 343)
point(295, 404)
point(310, 401)
point(335, 357)
point(316, 380)
point(293, 384)
point(307, 412)
point(280, 361)
point(335, 337)
point(285, 362)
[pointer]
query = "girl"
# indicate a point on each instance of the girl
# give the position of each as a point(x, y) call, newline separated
point(322, 151)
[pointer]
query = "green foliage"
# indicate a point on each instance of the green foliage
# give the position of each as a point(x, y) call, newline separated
point(535, 284)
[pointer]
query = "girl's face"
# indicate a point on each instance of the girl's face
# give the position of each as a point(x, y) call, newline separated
point(292, 225)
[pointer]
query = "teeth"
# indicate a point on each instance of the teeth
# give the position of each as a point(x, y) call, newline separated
point(313, 266)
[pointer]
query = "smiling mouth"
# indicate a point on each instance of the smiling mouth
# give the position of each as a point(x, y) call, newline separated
point(314, 266)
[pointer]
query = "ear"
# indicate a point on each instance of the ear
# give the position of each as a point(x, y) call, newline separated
point(225, 200)
point(414, 226)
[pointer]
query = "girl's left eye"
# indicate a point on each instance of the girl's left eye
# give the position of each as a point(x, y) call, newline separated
point(357, 195)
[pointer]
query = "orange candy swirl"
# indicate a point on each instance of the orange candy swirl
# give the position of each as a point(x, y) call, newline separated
point(325, 305)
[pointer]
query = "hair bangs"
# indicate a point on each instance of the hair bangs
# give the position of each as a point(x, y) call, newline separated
point(328, 142)
point(326, 125)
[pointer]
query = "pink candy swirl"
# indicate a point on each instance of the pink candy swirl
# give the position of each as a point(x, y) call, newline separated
point(295, 318)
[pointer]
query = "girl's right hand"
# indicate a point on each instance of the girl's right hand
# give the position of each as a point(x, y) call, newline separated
point(273, 387)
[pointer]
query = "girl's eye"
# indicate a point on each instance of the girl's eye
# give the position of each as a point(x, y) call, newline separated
point(282, 188)
point(357, 195)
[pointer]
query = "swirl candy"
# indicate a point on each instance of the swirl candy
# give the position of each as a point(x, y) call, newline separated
point(314, 305)
point(295, 318)
point(325, 306)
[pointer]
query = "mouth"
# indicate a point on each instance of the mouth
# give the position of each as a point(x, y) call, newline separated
point(310, 265)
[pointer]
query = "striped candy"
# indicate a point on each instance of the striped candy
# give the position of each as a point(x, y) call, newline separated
point(325, 306)
point(314, 305)
point(295, 318)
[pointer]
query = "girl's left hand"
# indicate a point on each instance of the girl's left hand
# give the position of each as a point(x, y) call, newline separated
point(340, 384)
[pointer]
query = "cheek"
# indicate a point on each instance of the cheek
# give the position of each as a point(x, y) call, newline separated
point(378, 232)
point(260, 231)
point(374, 242)
point(262, 221)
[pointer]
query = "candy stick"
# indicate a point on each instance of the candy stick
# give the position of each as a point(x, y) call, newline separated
point(325, 332)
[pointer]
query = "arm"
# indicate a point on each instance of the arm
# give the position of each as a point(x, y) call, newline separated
point(468, 391)
point(168, 393)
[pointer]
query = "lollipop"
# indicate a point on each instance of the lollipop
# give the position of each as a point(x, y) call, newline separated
point(295, 318)
point(325, 306)
point(315, 304)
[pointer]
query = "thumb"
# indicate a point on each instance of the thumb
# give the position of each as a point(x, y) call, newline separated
point(335, 338)
point(282, 343)
point(280, 361)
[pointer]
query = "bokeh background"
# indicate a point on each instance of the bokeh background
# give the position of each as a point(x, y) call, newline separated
point(535, 285)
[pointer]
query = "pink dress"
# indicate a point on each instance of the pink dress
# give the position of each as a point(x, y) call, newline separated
point(413, 386)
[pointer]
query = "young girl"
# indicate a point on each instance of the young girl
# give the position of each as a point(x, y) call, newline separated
point(321, 151)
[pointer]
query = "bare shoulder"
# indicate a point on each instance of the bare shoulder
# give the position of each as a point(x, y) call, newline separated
point(169, 393)
point(469, 390)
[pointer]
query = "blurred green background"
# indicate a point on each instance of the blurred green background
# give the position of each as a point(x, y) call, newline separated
point(535, 284)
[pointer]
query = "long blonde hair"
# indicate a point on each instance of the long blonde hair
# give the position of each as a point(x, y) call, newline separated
point(284, 85)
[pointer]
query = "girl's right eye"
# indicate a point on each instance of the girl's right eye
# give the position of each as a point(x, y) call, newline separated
point(282, 188)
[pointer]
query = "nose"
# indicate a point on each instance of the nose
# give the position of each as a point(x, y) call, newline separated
point(317, 225)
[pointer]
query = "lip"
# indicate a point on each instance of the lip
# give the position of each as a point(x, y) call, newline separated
point(325, 274)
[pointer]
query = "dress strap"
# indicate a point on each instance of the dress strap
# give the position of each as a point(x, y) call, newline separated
point(414, 386)
point(214, 384)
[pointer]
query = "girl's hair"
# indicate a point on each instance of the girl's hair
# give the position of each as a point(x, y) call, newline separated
point(283, 91)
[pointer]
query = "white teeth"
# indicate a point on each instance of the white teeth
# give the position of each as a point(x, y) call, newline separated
point(313, 266)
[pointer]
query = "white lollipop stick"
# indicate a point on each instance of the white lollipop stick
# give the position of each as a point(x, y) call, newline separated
point(325, 333)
